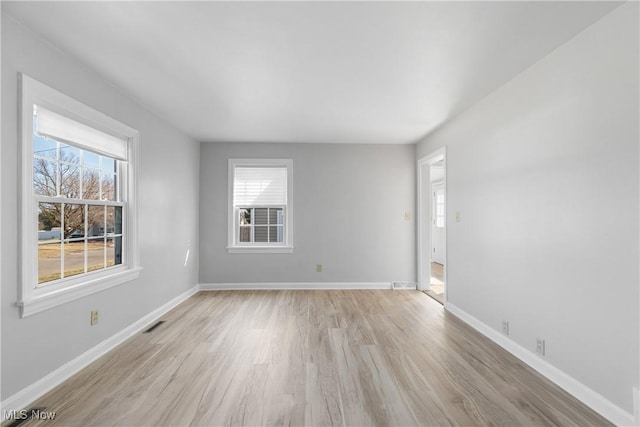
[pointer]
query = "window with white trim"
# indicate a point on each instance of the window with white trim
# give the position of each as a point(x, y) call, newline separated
point(439, 207)
point(260, 208)
point(79, 227)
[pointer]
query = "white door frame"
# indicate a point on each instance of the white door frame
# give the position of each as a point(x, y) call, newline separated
point(424, 219)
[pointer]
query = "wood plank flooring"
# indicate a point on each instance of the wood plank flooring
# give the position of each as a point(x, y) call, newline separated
point(436, 290)
point(355, 358)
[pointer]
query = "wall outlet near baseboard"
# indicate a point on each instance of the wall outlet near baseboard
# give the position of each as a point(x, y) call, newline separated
point(505, 327)
point(318, 268)
point(540, 346)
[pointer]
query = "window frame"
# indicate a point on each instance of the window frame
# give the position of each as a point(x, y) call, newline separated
point(233, 243)
point(31, 297)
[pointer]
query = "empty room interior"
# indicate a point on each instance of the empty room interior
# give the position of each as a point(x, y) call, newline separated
point(320, 213)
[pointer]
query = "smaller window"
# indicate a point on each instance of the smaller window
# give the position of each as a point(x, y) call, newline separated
point(260, 213)
point(439, 208)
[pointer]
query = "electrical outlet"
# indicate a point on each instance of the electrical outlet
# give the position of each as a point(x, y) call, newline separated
point(540, 346)
point(457, 216)
point(318, 268)
point(407, 216)
point(505, 327)
point(94, 317)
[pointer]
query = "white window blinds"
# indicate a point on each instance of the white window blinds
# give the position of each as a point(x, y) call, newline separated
point(65, 129)
point(259, 186)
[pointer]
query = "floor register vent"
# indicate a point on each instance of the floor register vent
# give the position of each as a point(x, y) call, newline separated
point(403, 286)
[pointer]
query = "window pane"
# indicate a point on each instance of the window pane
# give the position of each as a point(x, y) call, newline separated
point(44, 147)
point(69, 181)
point(69, 153)
point(275, 234)
point(245, 234)
point(108, 182)
point(260, 216)
point(73, 258)
point(114, 220)
point(95, 254)
point(440, 210)
point(90, 159)
point(114, 251)
point(108, 164)
point(95, 221)
point(245, 216)
point(73, 221)
point(275, 216)
point(45, 174)
point(49, 215)
point(49, 261)
point(260, 234)
point(91, 184)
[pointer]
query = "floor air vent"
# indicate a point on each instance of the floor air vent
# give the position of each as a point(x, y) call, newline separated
point(155, 325)
point(403, 286)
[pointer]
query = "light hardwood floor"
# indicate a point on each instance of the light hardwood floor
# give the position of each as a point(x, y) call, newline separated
point(311, 358)
point(437, 282)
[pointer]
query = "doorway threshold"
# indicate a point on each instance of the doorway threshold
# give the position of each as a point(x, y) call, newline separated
point(435, 296)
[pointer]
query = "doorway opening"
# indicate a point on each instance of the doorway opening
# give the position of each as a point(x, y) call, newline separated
point(438, 216)
point(432, 202)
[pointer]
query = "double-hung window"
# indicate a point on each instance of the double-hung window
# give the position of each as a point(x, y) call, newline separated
point(78, 210)
point(260, 208)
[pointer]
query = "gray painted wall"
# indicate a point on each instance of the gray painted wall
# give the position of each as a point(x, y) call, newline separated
point(168, 200)
point(545, 175)
point(349, 205)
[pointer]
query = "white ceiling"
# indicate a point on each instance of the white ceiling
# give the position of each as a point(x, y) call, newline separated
point(379, 72)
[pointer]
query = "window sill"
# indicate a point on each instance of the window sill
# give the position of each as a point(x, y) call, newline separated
point(58, 297)
point(260, 249)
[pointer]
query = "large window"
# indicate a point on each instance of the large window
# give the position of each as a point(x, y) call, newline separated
point(260, 213)
point(79, 233)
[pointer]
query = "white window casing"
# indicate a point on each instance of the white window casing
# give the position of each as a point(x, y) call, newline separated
point(65, 119)
point(260, 184)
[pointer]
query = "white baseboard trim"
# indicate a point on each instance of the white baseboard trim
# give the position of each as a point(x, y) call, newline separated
point(589, 397)
point(293, 286)
point(29, 394)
